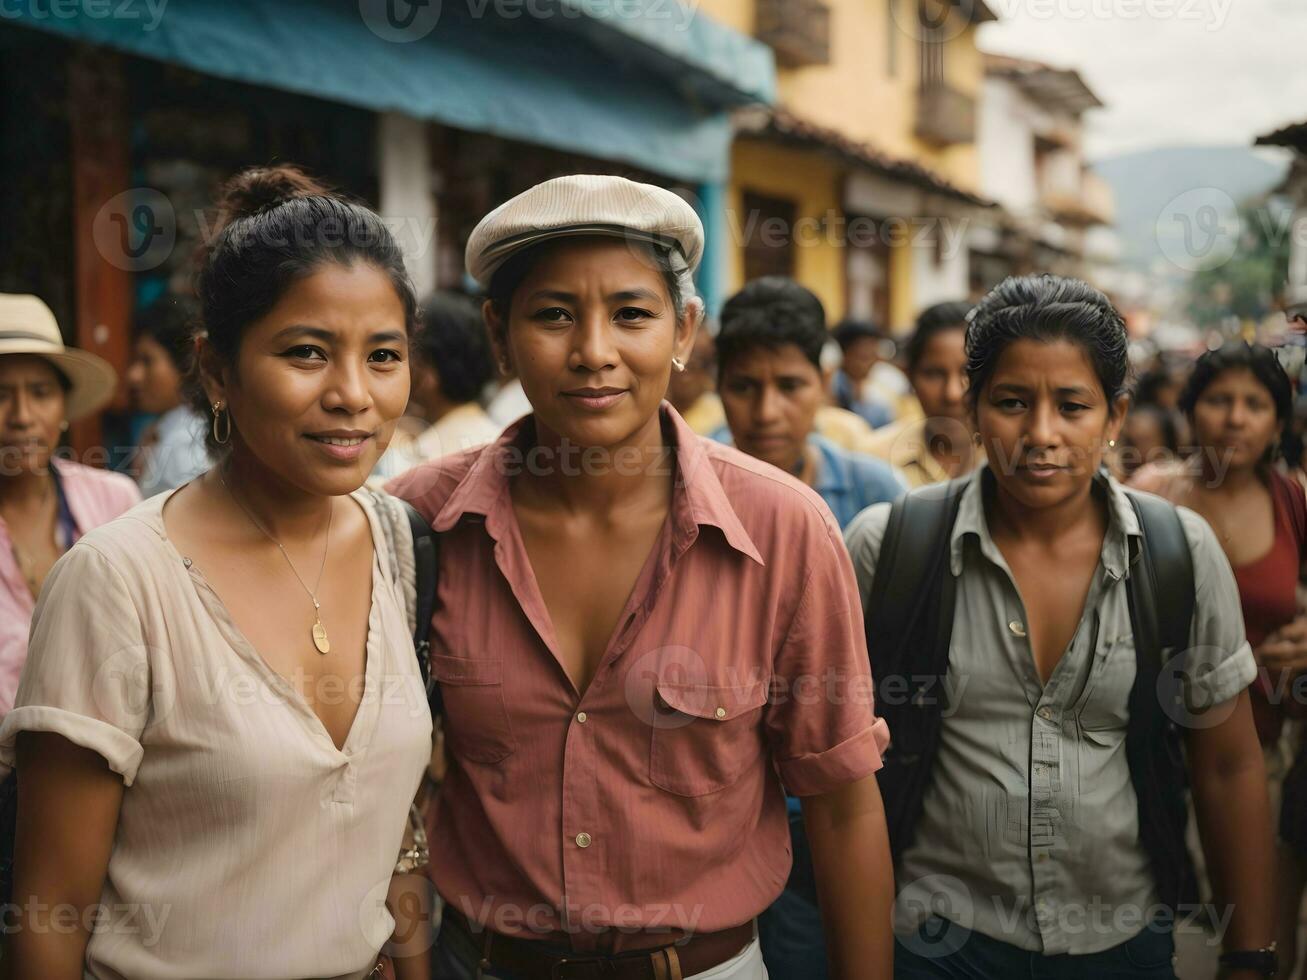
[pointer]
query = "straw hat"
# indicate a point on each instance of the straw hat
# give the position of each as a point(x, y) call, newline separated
point(585, 204)
point(28, 327)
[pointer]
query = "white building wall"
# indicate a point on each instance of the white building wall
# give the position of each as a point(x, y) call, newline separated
point(408, 200)
point(1006, 147)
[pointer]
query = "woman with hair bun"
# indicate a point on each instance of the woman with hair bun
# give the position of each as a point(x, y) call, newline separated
point(1037, 823)
point(222, 724)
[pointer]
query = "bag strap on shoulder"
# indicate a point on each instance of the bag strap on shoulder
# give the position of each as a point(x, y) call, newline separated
point(1162, 581)
point(426, 564)
point(912, 550)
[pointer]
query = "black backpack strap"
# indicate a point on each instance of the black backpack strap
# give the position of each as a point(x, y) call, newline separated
point(909, 620)
point(1161, 595)
point(426, 563)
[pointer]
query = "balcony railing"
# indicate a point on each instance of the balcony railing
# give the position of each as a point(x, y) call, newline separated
point(797, 30)
point(945, 115)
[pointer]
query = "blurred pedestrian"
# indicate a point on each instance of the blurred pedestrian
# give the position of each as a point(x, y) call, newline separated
point(867, 381)
point(619, 596)
point(201, 724)
point(1239, 401)
point(693, 392)
point(1034, 784)
point(46, 502)
point(1148, 436)
point(769, 364)
point(172, 447)
point(769, 357)
point(451, 364)
point(937, 446)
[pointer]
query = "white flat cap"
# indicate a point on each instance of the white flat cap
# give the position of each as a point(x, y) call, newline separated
point(584, 204)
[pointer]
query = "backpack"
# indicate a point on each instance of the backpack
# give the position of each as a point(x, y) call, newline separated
point(426, 565)
point(909, 625)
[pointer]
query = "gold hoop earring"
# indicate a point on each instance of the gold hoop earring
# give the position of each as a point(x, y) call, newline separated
point(225, 438)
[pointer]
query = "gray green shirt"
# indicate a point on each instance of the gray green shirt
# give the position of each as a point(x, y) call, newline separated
point(1029, 831)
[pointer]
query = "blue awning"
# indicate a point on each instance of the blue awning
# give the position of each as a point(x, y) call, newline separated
point(540, 81)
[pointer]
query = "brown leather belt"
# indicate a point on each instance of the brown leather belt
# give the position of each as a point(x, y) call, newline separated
point(532, 960)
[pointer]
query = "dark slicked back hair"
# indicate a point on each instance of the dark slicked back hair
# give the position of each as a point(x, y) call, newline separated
point(771, 312)
point(1047, 309)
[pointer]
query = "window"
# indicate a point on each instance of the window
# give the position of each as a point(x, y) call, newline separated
point(768, 224)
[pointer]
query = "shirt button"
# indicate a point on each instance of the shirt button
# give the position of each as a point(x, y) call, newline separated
point(1016, 628)
point(1045, 713)
point(721, 712)
point(581, 717)
point(582, 840)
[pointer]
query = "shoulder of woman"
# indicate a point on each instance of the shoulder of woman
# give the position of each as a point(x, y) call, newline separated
point(1164, 479)
point(115, 493)
point(430, 484)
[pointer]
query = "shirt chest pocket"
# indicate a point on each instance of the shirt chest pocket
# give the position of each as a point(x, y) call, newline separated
point(1103, 710)
point(704, 738)
point(476, 714)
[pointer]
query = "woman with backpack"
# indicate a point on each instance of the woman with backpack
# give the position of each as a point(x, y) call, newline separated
point(222, 725)
point(1239, 402)
point(1074, 644)
point(636, 630)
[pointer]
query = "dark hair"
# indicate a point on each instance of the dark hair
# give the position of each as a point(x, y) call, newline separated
point(849, 331)
point(453, 342)
point(1047, 308)
point(1151, 382)
point(506, 279)
point(770, 312)
point(170, 322)
point(1258, 359)
point(277, 225)
point(933, 320)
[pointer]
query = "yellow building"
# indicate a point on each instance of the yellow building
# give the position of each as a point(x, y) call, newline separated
point(863, 180)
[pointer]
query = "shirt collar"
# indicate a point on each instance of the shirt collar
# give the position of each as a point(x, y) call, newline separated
point(833, 475)
point(1122, 523)
point(698, 497)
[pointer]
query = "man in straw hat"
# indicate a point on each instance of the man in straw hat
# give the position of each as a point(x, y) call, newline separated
point(46, 503)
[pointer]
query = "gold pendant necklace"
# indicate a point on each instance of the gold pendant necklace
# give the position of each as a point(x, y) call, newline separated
point(320, 640)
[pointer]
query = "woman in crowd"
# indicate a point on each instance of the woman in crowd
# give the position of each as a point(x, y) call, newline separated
point(938, 445)
point(617, 596)
point(222, 724)
point(1238, 402)
point(1032, 834)
point(172, 447)
point(46, 503)
point(1149, 436)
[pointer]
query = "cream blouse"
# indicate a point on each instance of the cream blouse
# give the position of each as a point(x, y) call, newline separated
point(248, 845)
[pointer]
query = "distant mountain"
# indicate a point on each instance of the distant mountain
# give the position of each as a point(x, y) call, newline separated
point(1171, 202)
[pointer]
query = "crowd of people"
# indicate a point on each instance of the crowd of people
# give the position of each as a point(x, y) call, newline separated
point(555, 632)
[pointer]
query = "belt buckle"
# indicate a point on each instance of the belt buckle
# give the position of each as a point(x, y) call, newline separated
point(605, 968)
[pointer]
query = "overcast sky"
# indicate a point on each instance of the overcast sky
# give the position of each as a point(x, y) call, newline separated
point(1172, 72)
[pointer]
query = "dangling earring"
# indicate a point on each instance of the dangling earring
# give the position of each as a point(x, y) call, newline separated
point(678, 364)
point(223, 439)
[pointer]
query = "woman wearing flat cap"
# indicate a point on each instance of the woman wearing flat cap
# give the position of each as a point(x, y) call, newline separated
point(642, 638)
point(45, 503)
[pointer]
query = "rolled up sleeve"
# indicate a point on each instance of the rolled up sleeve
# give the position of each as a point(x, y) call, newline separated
point(87, 675)
point(1219, 663)
point(820, 719)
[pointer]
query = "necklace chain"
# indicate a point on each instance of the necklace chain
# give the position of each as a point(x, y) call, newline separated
point(312, 593)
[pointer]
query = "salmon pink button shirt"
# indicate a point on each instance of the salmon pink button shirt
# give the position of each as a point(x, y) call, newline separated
point(651, 801)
